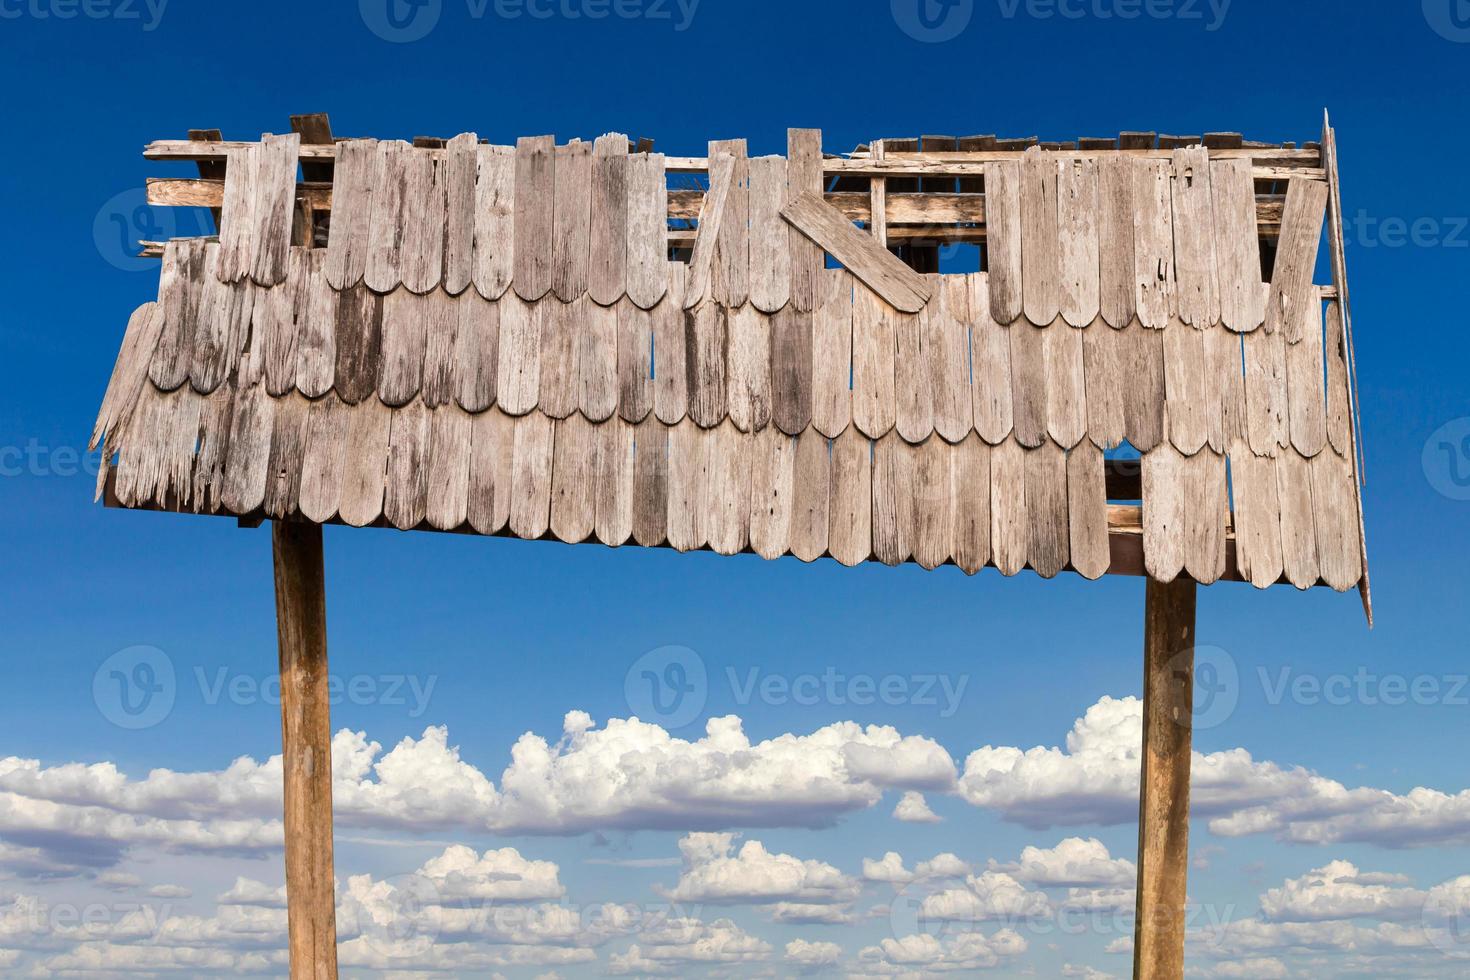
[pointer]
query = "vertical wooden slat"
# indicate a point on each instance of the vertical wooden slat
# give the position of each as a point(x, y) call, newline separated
point(635, 360)
point(648, 229)
point(650, 483)
point(970, 504)
point(933, 528)
point(613, 482)
point(1066, 394)
point(1077, 230)
point(518, 363)
point(383, 271)
point(770, 242)
point(1334, 515)
point(358, 341)
point(559, 374)
point(727, 490)
point(748, 368)
point(1237, 245)
point(1163, 512)
point(405, 334)
point(990, 365)
point(180, 285)
point(1257, 515)
point(608, 271)
point(495, 189)
point(1267, 422)
point(316, 328)
point(1028, 382)
point(273, 325)
point(451, 431)
point(406, 491)
point(365, 473)
point(946, 325)
point(1087, 510)
point(1197, 291)
point(688, 474)
point(324, 460)
point(238, 225)
point(1339, 391)
point(1184, 384)
point(1048, 550)
point(571, 220)
point(1296, 257)
point(245, 471)
point(832, 354)
point(791, 369)
point(804, 176)
point(1143, 394)
point(530, 475)
point(1102, 359)
point(850, 506)
point(731, 281)
point(1116, 269)
point(812, 494)
point(1298, 528)
point(1153, 243)
point(458, 168)
point(355, 178)
point(894, 504)
point(874, 348)
point(1206, 512)
point(288, 446)
point(706, 338)
point(422, 223)
point(1306, 404)
point(670, 364)
point(912, 379)
point(534, 202)
point(773, 467)
point(1003, 239)
point(441, 320)
point(1010, 524)
point(1225, 386)
point(275, 187)
point(476, 351)
point(597, 360)
point(492, 446)
point(573, 472)
point(221, 330)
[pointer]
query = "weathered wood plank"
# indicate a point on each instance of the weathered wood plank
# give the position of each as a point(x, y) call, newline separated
point(571, 220)
point(1143, 395)
point(406, 491)
point(791, 368)
point(1225, 386)
point(1078, 259)
point(451, 434)
point(688, 476)
point(221, 331)
point(1196, 287)
point(492, 447)
point(1335, 516)
point(423, 223)
point(913, 391)
point(748, 368)
point(476, 351)
point(608, 272)
point(613, 482)
point(1186, 405)
point(878, 268)
point(1010, 523)
point(1267, 422)
point(770, 244)
point(457, 175)
point(534, 208)
point(288, 447)
point(1237, 245)
point(894, 503)
point(574, 469)
point(1339, 391)
point(670, 382)
point(238, 224)
point(727, 489)
point(1306, 405)
point(706, 339)
point(772, 489)
point(597, 360)
point(324, 459)
point(1003, 240)
point(273, 325)
point(1298, 528)
point(650, 483)
point(441, 320)
point(730, 283)
point(635, 359)
point(1087, 510)
point(530, 479)
point(1153, 243)
point(874, 348)
point(1164, 512)
point(1040, 259)
point(933, 528)
point(1066, 385)
point(129, 373)
point(186, 264)
point(832, 354)
point(1028, 382)
point(316, 328)
point(812, 494)
point(1257, 516)
point(358, 338)
point(405, 336)
point(970, 503)
point(247, 465)
point(495, 190)
point(648, 227)
point(561, 349)
point(1048, 550)
point(384, 270)
point(702, 260)
point(1116, 268)
point(364, 476)
point(990, 359)
point(946, 340)
point(1103, 352)
point(1206, 514)
point(850, 507)
point(1296, 257)
point(804, 175)
point(518, 363)
point(356, 176)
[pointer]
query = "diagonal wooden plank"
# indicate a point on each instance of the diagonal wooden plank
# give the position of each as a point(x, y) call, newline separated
point(878, 268)
point(1339, 392)
point(1296, 256)
point(706, 239)
point(730, 283)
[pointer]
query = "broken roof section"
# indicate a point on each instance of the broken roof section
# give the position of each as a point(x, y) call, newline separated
point(546, 340)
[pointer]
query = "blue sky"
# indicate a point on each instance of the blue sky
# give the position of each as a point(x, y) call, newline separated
point(503, 638)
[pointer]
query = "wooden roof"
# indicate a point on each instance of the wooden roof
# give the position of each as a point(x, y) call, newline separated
point(496, 339)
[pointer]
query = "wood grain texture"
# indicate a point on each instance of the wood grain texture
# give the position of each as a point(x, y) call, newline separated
point(701, 272)
point(727, 490)
point(706, 340)
point(688, 478)
point(1206, 514)
point(492, 449)
point(1237, 245)
point(423, 223)
point(1078, 240)
point(946, 340)
point(1116, 267)
point(246, 466)
point(181, 282)
point(791, 369)
point(850, 505)
point(1010, 523)
point(613, 482)
point(1087, 511)
point(324, 459)
point(608, 271)
point(932, 481)
point(1339, 390)
point(459, 166)
point(1267, 422)
point(573, 474)
point(215, 417)
point(670, 383)
point(1048, 548)
point(1153, 243)
point(748, 368)
point(288, 446)
point(238, 226)
point(1306, 399)
point(561, 348)
point(534, 204)
point(405, 335)
point(832, 354)
point(495, 190)
point(913, 392)
point(1296, 257)
point(364, 475)
point(650, 483)
point(357, 340)
point(597, 361)
point(648, 229)
point(804, 176)
point(635, 360)
point(990, 364)
point(355, 176)
point(275, 189)
point(875, 266)
point(970, 502)
point(1225, 386)
point(1186, 404)
point(384, 269)
point(1003, 241)
point(770, 243)
point(894, 499)
point(1335, 517)
point(571, 220)
point(1066, 385)
point(1103, 353)
point(730, 283)
point(1196, 287)
point(874, 350)
point(451, 435)
point(129, 374)
point(316, 329)
point(1164, 512)
point(1040, 245)
point(221, 332)
point(1028, 382)
point(1257, 515)
point(530, 475)
point(1143, 391)
point(1298, 528)
point(476, 351)
point(441, 321)
point(772, 489)
point(273, 325)
point(518, 363)
point(406, 489)
point(812, 495)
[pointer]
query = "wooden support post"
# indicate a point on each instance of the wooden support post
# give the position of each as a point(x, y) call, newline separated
point(306, 734)
point(1163, 802)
